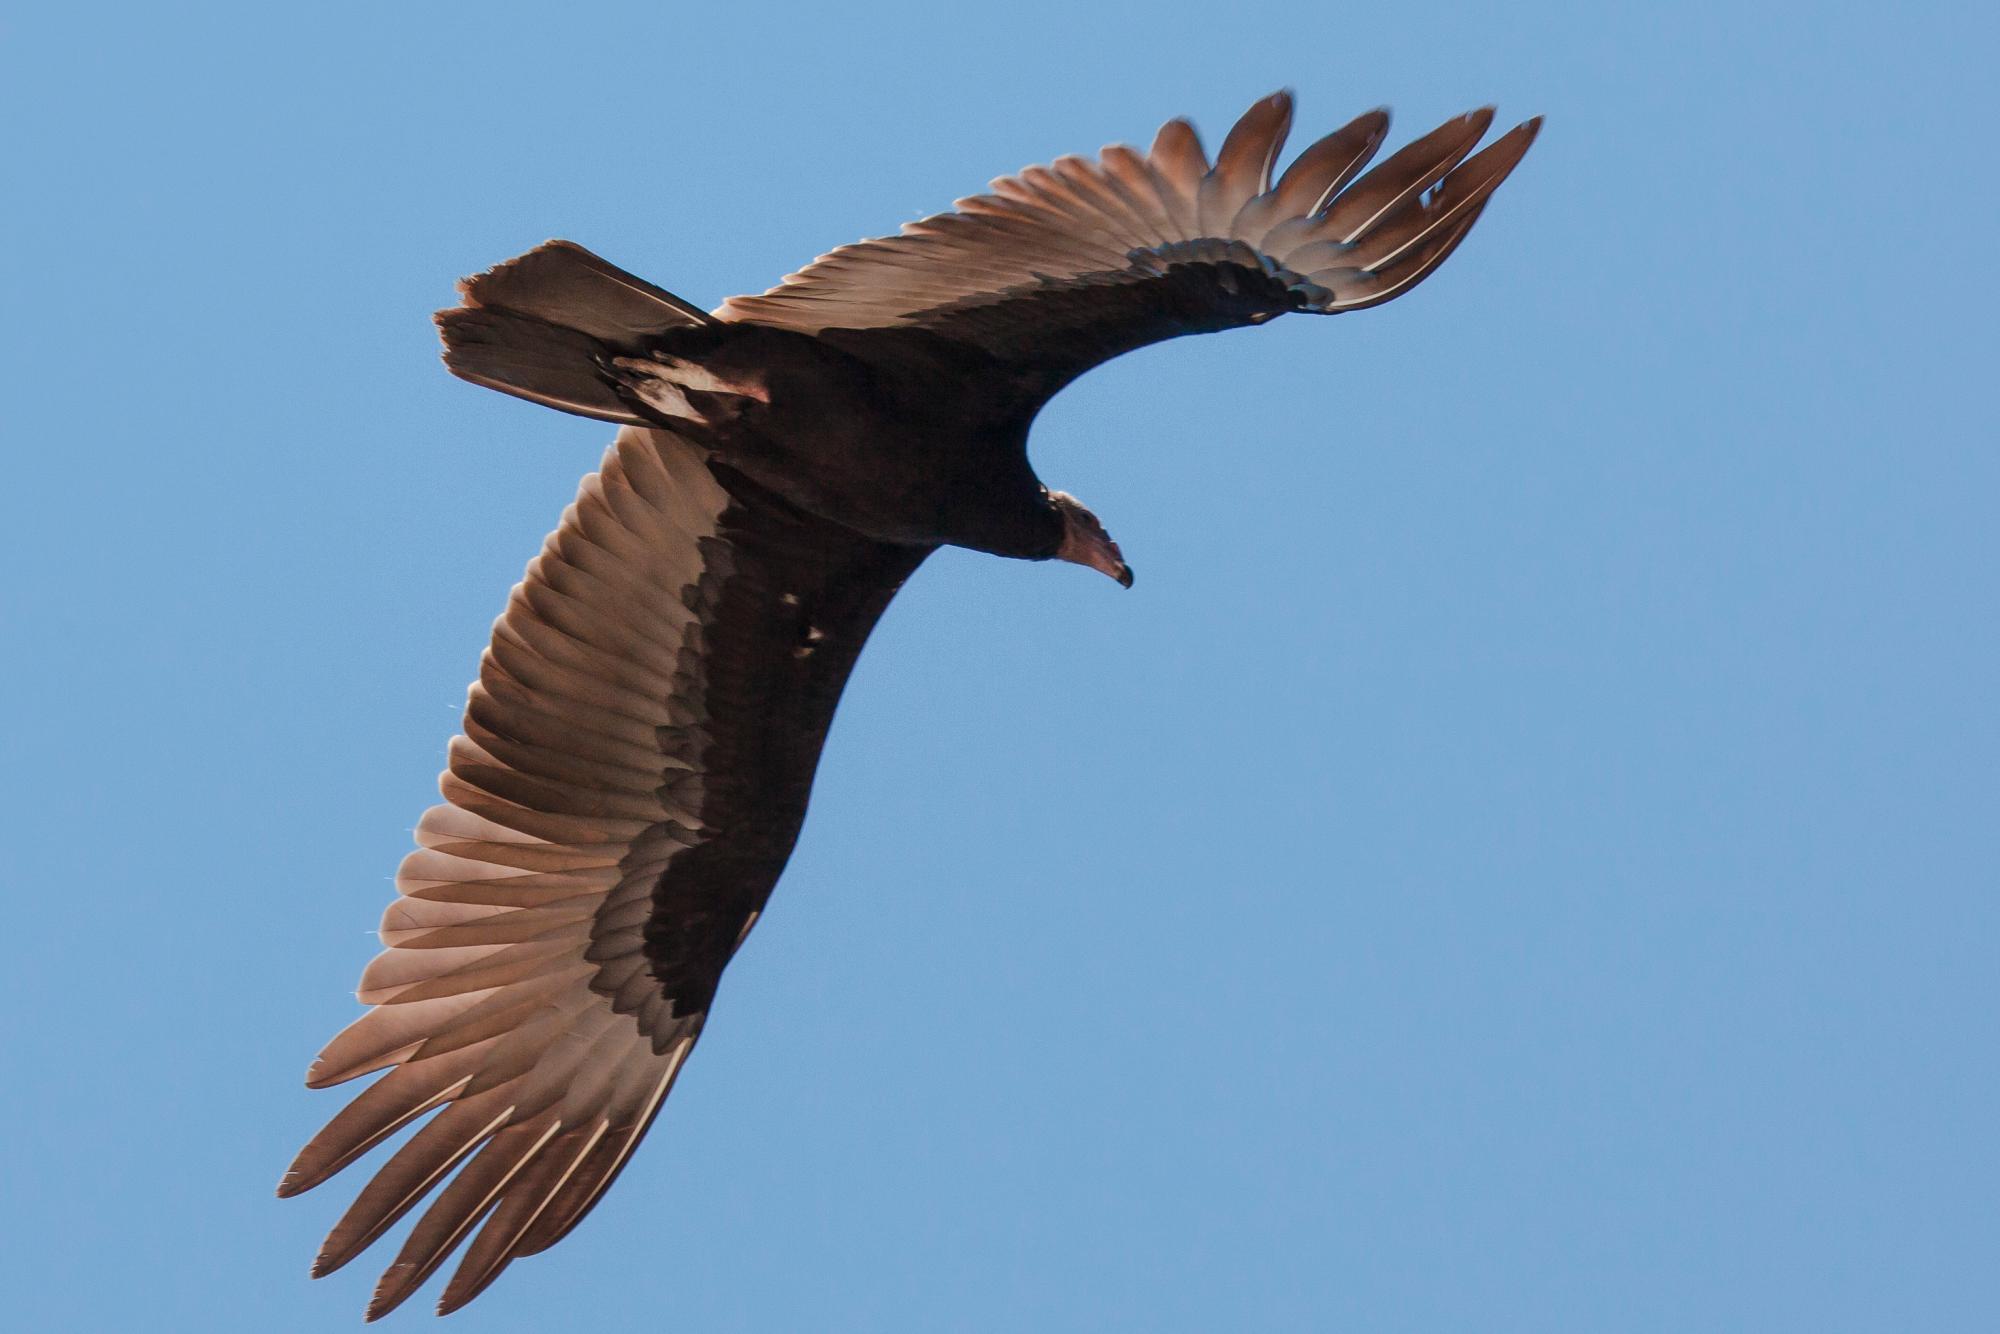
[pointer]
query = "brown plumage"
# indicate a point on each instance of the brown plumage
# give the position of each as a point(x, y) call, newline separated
point(638, 749)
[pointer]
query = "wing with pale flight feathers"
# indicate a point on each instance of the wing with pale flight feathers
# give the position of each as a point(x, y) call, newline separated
point(1065, 266)
point(633, 771)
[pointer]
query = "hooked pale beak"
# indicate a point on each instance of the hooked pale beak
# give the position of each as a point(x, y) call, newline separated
point(1086, 543)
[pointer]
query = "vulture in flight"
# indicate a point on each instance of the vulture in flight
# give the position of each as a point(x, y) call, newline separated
point(639, 746)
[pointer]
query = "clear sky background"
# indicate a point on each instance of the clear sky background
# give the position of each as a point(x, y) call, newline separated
point(1522, 858)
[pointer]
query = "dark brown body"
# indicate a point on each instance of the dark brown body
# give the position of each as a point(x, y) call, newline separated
point(900, 434)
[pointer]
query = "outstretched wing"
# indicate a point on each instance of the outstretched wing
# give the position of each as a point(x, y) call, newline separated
point(633, 772)
point(1062, 267)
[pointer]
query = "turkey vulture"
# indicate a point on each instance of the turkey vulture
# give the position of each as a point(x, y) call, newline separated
point(640, 743)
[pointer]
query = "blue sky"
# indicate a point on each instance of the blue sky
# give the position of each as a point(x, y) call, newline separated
point(1522, 858)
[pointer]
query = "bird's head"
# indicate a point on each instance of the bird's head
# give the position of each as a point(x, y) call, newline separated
point(1085, 542)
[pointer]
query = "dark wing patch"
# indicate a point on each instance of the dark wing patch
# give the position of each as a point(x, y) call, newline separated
point(1064, 328)
point(787, 612)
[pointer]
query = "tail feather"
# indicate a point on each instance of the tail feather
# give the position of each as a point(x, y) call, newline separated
point(564, 284)
point(544, 325)
point(532, 359)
